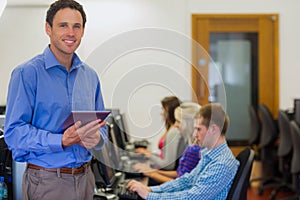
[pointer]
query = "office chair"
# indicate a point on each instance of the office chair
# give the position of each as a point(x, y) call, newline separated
point(268, 149)
point(284, 153)
point(238, 190)
point(295, 166)
point(255, 126)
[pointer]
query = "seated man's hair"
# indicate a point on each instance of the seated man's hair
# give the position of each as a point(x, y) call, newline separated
point(214, 113)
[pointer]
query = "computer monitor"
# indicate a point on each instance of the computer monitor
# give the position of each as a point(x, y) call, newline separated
point(100, 183)
point(106, 166)
point(115, 150)
point(119, 133)
point(120, 122)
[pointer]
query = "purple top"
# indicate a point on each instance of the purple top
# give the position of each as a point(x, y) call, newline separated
point(189, 159)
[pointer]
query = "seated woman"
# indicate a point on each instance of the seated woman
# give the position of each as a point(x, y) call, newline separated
point(170, 139)
point(184, 115)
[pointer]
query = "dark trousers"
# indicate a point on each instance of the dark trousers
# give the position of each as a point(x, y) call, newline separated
point(45, 185)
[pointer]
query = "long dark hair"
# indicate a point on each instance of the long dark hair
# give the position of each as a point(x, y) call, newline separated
point(169, 104)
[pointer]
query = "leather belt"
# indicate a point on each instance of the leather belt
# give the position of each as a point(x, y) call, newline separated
point(63, 170)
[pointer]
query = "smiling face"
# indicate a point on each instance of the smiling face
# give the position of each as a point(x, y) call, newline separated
point(66, 32)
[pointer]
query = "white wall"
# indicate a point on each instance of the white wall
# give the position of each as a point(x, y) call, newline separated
point(133, 78)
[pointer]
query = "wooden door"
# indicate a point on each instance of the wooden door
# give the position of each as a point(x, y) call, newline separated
point(266, 27)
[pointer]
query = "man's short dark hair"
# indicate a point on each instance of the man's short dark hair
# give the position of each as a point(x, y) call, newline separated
point(215, 114)
point(61, 4)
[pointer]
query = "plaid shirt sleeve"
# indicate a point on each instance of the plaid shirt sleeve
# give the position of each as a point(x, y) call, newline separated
point(211, 179)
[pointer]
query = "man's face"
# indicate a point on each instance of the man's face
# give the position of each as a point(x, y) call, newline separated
point(200, 131)
point(66, 31)
point(206, 137)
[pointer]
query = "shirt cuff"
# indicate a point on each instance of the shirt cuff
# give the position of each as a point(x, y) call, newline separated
point(55, 142)
point(155, 188)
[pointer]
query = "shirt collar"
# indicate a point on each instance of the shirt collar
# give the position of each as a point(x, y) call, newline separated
point(213, 153)
point(51, 61)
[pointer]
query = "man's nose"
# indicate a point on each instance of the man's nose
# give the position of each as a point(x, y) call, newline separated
point(195, 133)
point(70, 31)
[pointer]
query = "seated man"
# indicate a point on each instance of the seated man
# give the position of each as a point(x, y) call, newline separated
point(214, 174)
point(184, 115)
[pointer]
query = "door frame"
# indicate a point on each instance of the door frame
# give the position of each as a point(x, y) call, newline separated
point(266, 25)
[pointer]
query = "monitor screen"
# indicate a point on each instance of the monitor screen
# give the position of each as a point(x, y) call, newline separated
point(105, 165)
point(119, 135)
point(120, 128)
point(120, 122)
point(114, 148)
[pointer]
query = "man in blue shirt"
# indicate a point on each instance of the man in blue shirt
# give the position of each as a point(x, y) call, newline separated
point(214, 174)
point(42, 93)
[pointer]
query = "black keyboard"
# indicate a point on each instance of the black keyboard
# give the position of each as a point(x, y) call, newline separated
point(125, 194)
point(130, 175)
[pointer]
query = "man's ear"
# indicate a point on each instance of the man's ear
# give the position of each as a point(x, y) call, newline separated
point(48, 28)
point(215, 129)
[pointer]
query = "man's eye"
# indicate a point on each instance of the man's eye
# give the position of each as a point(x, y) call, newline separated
point(78, 26)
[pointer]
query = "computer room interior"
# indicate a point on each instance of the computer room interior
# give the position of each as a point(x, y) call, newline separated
point(135, 82)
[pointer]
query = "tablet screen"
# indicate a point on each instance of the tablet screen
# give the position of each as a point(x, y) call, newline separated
point(85, 117)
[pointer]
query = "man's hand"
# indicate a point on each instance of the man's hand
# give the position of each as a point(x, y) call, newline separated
point(139, 187)
point(87, 136)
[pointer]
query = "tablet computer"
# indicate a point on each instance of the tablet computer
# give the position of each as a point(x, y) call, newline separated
point(85, 117)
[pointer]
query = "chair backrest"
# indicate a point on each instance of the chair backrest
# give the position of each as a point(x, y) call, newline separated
point(269, 131)
point(295, 166)
point(238, 190)
point(285, 144)
point(295, 133)
point(255, 127)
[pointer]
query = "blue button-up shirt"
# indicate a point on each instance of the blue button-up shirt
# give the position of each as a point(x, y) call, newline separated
point(41, 95)
point(211, 179)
